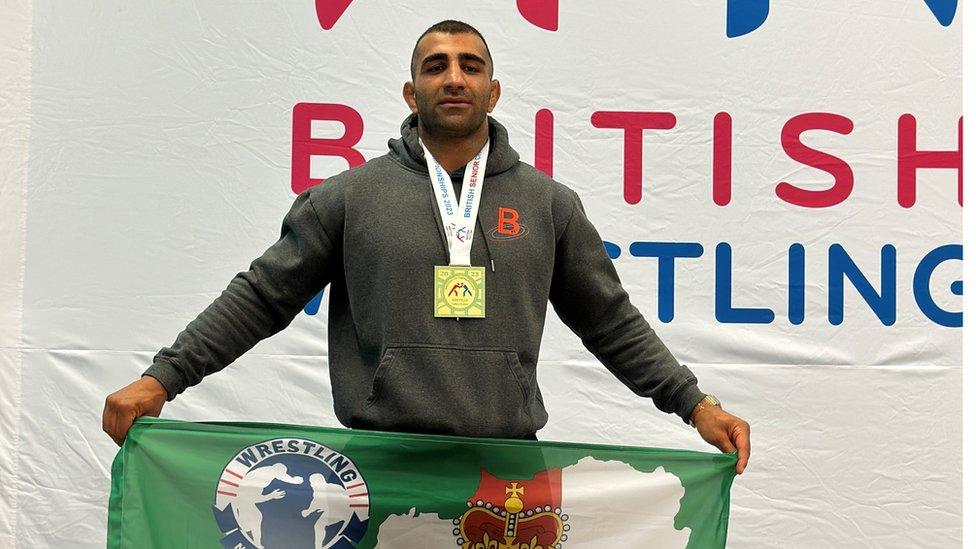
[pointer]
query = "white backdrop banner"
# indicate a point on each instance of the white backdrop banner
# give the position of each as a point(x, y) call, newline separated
point(779, 183)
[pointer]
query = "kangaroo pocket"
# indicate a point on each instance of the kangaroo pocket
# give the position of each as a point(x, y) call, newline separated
point(450, 390)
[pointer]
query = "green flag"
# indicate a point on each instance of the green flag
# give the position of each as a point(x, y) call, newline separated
point(248, 485)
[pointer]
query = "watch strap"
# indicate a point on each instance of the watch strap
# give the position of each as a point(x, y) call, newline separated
point(709, 400)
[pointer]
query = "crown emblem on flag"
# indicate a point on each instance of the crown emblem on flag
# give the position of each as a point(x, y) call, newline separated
point(507, 514)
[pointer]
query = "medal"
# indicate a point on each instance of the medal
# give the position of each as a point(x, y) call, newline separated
point(459, 292)
point(459, 288)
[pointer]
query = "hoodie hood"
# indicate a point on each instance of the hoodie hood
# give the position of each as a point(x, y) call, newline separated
point(407, 151)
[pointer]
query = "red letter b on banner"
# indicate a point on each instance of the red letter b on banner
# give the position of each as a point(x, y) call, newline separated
point(304, 146)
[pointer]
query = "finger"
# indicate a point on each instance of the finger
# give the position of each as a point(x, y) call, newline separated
point(740, 435)
point(727, 447)
point(105, 418)
point(124, 425)
point(110, 420)
point(119, 423)
point(722, 442)
point(114, 428)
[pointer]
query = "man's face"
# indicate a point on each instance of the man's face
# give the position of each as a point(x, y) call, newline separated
point(452, 91)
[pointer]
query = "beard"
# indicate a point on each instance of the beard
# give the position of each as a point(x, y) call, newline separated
point(461, 123)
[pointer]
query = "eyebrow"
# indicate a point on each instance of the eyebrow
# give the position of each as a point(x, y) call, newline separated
point(462, 56)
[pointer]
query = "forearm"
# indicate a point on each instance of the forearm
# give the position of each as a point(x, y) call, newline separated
point(256, 304)
point(624, 342)
point(236, 321)
point(588, 296)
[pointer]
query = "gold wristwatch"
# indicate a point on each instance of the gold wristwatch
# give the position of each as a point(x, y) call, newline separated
point(709, 400)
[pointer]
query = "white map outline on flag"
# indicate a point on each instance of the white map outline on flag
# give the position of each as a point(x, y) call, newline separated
point(609, 503)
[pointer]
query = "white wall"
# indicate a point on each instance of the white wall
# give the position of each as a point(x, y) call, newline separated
point(160, 164)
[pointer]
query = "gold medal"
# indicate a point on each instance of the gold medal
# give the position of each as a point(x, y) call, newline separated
point(459, 291)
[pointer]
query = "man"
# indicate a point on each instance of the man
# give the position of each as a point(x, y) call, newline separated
point(467, 367)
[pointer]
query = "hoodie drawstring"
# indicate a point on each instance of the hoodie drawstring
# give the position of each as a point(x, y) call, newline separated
point(491, 260)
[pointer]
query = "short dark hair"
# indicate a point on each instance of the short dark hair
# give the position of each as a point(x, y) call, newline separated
point(449, 26)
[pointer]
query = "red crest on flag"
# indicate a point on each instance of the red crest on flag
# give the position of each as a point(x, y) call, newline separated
point(515, 514)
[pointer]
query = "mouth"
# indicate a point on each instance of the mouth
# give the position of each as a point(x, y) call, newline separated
point(453, 103)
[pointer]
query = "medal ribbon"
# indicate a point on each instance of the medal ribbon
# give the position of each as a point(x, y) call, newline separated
point(458, 218)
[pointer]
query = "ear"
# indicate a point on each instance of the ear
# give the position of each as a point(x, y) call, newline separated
point(496, 92)
point(409, 95)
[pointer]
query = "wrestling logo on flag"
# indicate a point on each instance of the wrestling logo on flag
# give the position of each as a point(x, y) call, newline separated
point(290, 492)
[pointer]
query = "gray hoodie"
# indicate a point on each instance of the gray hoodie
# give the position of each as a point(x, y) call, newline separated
point(373, 235)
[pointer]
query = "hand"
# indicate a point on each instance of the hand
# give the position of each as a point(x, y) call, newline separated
point(724, 431)
point(144, 397)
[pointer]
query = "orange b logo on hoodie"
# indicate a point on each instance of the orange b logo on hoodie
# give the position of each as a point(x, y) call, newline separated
point(508, 224)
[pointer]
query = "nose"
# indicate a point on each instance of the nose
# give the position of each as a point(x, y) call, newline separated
point(455, 76)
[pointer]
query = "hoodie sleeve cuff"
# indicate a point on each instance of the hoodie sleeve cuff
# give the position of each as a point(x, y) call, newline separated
point(168, 377)
point(686, 400)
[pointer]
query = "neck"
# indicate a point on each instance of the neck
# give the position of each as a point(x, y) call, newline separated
point(454, 152)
